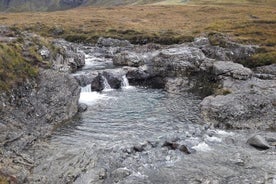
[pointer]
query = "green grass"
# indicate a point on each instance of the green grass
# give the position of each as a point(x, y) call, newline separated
point(245, 21)
point(14, 68)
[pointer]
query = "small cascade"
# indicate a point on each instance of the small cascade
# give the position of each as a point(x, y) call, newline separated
point(106, 84)
point(86, 89)
point(89, 97)
point(125, 82)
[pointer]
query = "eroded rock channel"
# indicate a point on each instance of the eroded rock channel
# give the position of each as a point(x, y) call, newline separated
point(160, 114)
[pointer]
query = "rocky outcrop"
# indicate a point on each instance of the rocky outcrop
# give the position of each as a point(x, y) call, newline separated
point(241, 98)
point(128, 59)
point(30, 113)
point(110, 42)
point(247, 104)
point(69, 59)
point(233, 70)
point(220, 47)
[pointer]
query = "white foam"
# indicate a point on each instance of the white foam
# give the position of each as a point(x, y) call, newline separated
point(202, 147)
point(224, 133)
point(213, 139)
point(90, 98)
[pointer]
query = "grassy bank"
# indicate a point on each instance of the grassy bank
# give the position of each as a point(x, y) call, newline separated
point(251, 22)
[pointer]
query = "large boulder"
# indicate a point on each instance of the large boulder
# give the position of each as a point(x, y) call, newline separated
point(250, 104)
point(137, 74)
point(114, 77)
point(234, 70)
point(30, 112)
point(177, 61)
point(127, 58)
point(97, 83)
point(69, 57)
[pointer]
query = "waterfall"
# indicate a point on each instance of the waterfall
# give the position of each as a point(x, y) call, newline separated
point(105, 83)
point(125, 82)
point(89, 97)
point(86, 89)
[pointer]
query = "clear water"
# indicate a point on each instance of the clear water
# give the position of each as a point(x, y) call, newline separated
point(130, 115)
point(91, 147)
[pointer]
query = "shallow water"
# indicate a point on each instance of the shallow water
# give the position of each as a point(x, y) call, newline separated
point(121, 138)
point(130, 115)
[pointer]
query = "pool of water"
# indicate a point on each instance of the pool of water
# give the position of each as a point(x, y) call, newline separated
point(123, 138)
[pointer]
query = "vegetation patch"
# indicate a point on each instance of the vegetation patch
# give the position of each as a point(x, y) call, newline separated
point(247, 22)
point(14, 68)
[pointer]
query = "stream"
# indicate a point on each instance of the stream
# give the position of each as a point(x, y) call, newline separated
point(142, 135)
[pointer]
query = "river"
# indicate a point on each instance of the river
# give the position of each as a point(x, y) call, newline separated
point(141, 135)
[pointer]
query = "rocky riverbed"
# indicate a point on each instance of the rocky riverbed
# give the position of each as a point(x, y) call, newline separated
point(166, 131)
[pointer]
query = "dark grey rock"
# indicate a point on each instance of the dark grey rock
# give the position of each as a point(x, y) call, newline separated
point(258, 142)
point(171, 145)
point(186, 149)
point(114, 78)
point(137, 74)
point(97, 83)
point(82, 107)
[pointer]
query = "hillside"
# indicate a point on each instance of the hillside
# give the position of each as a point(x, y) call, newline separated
point(245, 21)
point(52, 5)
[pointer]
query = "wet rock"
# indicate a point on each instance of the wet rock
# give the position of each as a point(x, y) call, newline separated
point(85, 79)
point(127, 58)
point(139, 148)
point(97, 83)
point(235, 70)
point(185, 149)
point(258, 142)
point(137, 74)
point(110, 42)
point(82, 107)
point(114, 78)
point(171, 145)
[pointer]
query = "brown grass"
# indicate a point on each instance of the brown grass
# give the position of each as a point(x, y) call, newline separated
point(252, 22)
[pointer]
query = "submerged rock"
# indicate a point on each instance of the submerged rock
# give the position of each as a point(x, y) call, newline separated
point(82, 107)
point(258, 142)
